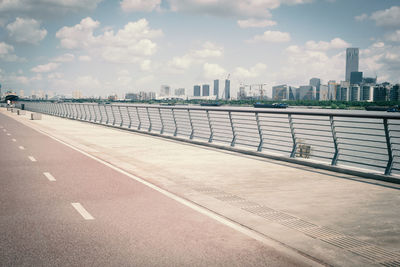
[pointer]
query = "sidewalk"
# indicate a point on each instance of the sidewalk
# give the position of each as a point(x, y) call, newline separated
point(340, 219)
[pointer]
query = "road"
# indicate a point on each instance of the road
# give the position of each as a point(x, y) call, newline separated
point(61, 207)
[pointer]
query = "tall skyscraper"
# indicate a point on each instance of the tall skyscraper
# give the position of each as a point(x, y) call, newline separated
point(227, 90)
point(206, 90)
point(196, 90)
point(351, 62)
point(316, 82)
point(216, 88)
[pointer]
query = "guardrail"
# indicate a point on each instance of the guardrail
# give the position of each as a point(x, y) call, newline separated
point(368, 141)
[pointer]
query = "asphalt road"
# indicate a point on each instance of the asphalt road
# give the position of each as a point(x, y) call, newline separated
point(59, 207)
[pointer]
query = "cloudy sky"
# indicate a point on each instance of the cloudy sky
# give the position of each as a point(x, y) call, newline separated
point(110, 46)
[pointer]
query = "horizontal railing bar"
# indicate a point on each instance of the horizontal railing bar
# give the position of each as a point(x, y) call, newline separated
point(362, 140)
point(358, 156)
point(363, 151)
point(357, 133)
point(359, 163)
point(362, 145)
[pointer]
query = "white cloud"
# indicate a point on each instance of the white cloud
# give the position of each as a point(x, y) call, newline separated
point(213, 70)
point(388, 17)
point(361, 17)
point(237, 8)
point(145, 65)
point(335, 43)
point(26, 31)
point(87, 82)
point(255, 71)
point(129, 44)
point(255, 23)
point(139, 5)
point(64, 58)
point(7, 53)
point(46, 67)
point(85, 58)
point(272, 37)
point(393, 37)
point(208, 50)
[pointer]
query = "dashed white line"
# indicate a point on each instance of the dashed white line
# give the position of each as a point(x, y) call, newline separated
point(21, 147)
point(82, 211)
point(32, 158)
point(49, 176)
point(14, 140)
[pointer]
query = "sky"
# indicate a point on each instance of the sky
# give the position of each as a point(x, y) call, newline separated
point(102, 47)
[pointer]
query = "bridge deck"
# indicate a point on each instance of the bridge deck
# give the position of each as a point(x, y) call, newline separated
point(340, 219)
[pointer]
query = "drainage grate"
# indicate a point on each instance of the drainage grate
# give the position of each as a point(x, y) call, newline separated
point(298, 224)
point(346, 242)
point(278, 217)
point(394, 263)
point(376, 254)
point(259, 210)
point(321, 233)
point(230, 198)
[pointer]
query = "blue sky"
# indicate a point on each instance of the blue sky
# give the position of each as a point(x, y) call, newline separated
point(103, 47)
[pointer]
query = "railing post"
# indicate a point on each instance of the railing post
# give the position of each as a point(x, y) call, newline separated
point(148, 116)
point(291, 124)
point(129, 116)
point(335, 141)
point(140, 121)
point(162, 122)
point(90, 112)
point(176, 125)
point(112, 113)
point(101, 114)
point(259, 148)
point(389, 165)
point(122, 118)
point(107, 118)
point(233, 129)
point(84, 108)
point(191, 124)
point(210, 139)
point(76, 111)
point(69, 110)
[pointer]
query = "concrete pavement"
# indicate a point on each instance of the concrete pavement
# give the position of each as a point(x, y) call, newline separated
point(339, 219)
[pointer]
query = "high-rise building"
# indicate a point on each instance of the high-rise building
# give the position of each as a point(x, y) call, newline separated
point(76, 94)
point(381, 92)
point(356, 77)
point(366, 92)
point(242, 93)
point(180, 92)
point(131, 96)
point(395, 93)
point(216, 88)
point(351, 62)
point(307, 92)
point(206, 89)
point(332, 89)
point(227, 89)
point(323, 92)
point(196, 90)
point(280, 92)
point(316, 82)
point(165, 90)
point(354, 93)
point(369, 80)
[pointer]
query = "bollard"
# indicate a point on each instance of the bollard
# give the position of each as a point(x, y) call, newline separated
point(36, 116)
point(21, 112)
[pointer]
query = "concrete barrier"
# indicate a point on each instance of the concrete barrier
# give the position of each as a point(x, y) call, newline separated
point(21, 112)
point(14, 110)
point(36, 116)
point(8, 109)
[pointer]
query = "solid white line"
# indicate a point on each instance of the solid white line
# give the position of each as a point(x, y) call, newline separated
point(21, 147)
point(14, 140)
point(226, 221)
point(32, 158)
point(82, 211)
point(49, 176)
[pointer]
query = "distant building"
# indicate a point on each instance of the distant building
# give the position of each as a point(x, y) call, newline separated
point(356, 77)
point(323, 92)
point(131, 96)
point(332, 90)
point(227, 90)
point(242, 93)
point(216, 88)
point(165, 90)
point(21, 93)
point(196, 90)
point(351, 62)
point(206, 90)
point(306, 92)
point(354, 93)
point(316, 82)
point(366, 92)
point(280, 92)
point(180, 92)
point(381, 92)
point(395, 93)
point(77, 94)
point(369, 80)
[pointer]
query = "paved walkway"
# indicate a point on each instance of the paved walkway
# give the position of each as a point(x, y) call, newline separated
point(339, 219)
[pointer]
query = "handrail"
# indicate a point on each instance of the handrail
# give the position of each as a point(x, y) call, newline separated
point(302, 134)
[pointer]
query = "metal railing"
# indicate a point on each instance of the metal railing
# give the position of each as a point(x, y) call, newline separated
point(368, 141)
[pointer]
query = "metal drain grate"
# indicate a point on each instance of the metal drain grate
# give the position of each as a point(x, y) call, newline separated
point(321, 233)
point(230, 198)
point(346, 242)
point(298, 224)
point(394, 263)
point(278, 217)
point(259, 210)
point(376, 254)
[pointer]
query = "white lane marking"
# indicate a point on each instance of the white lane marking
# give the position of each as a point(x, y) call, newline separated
point(82, 211)
point(14, 140)
point(32, 158)
point(8, 134)
point(49, 176)
point(21, 147)
point(279, 246)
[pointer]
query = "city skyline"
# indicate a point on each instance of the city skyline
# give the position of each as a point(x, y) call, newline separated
point(102, 47)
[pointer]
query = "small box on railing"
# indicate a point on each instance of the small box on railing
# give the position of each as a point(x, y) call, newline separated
point(303, 151)
point(21, 112)
point(36, 116)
